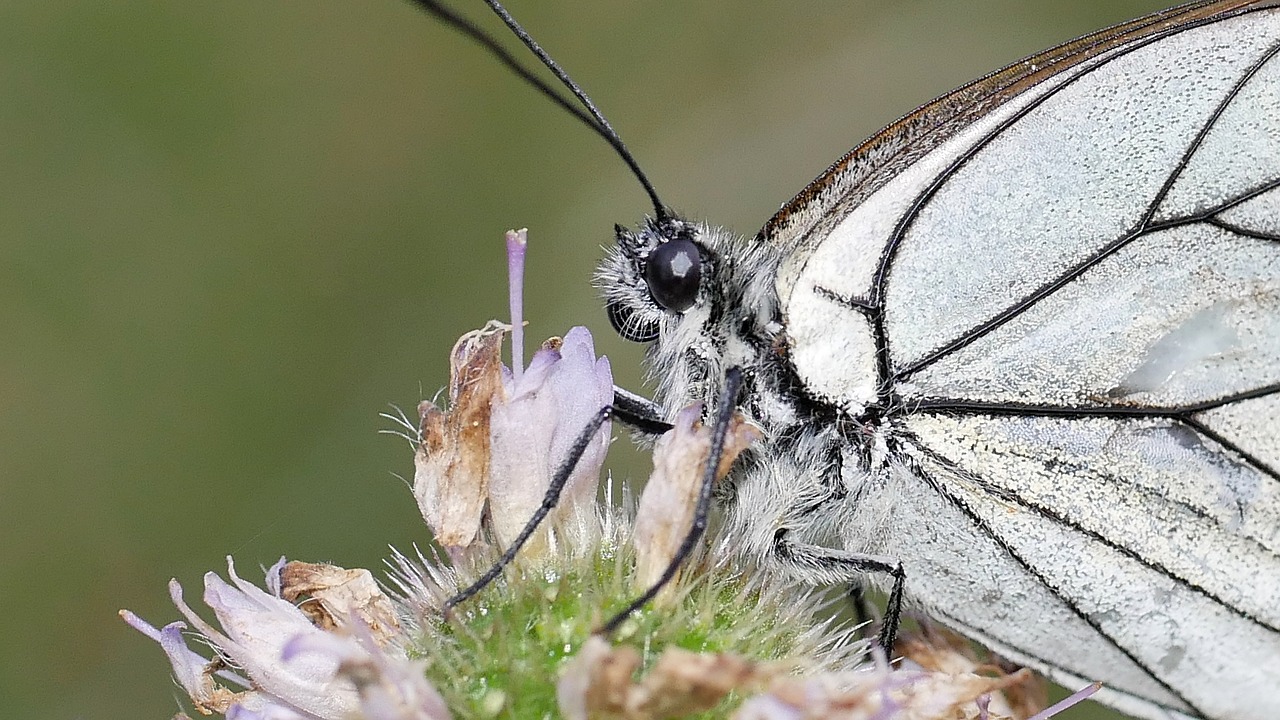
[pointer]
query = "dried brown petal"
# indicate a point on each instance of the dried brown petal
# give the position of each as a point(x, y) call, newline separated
point(946, 696)
point(823, 697)
point(451, 467)
point(908, 694)
point(219, 699)
point(684, 682)
point(336, 595)
point(938, 649)
point(597, 683)
point(1027, 697)
point(670, 498)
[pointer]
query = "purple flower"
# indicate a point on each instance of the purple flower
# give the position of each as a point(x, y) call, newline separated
point(533, 427)
point(390, 686)
point(255, 706)
point(506, 432)
point(255, 626)
point(190, 669)
point(296, 670)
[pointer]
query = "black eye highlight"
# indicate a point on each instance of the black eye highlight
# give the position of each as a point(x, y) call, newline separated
point(623, 320)
point(673, 271)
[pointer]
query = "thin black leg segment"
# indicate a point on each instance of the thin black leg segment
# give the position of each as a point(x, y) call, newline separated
point(719, 430)
point(549, 501)
point(638, 412)
point(827, 566)
point(862, 610)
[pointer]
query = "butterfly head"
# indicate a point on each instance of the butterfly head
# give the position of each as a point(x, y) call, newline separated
point(702, 296)
point(654, 276)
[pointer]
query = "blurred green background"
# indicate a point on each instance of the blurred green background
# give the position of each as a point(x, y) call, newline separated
point(231, 233)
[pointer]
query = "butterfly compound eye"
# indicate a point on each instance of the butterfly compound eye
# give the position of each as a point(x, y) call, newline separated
point(672, 273)
point(628, 326)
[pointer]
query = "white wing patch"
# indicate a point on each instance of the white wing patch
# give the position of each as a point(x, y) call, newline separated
point(1153, 487)
point(1259, 215)
point(1192, 345)
point(1251, 425)
point(1051, 182)
point(839, 342)
point(847, 260)
point(954, 581)
point(1241, 150)
point(1180, 317)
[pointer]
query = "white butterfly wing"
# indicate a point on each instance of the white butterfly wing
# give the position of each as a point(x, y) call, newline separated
point(1068, 310)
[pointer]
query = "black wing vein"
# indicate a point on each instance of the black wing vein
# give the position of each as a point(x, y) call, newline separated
point(1040, 577)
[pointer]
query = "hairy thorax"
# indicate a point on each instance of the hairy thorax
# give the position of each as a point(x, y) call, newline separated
point(811, 466)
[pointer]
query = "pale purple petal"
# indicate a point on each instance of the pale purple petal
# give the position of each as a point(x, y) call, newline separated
point(211, 633)
point(335, 649)
point(604, 380)
point(533, 430)
point(517, 244)
point(520, 432)
point(257, 626)
point(391, 687)
point(578, 341)
point(406, 697)
point(190, 674)
point(191, 670)
point(402, 691)
point(256, 706)
point(765, 707)
point(253, 618)
point(188, 666)
point(579, 345)
point(141, 625)
point(262, 625)
point(187, 657)
point(272, 578)
point(535, 375)
point(174, 646)
point(579, 383)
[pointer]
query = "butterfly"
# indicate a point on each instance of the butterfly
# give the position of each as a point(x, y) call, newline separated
point(1016, 359)
point(1021, 349)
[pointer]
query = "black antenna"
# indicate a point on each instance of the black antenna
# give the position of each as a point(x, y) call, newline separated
point(594, 120)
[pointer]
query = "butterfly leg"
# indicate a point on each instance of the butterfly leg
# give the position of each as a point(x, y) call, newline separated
point(719, 431)
point(549, 501)
point(638, 412)
point(633, 410)
point(821, 565)
point(857, 596)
